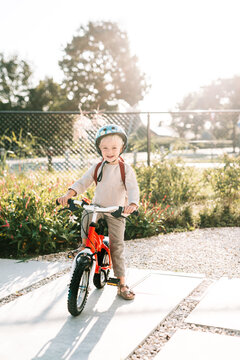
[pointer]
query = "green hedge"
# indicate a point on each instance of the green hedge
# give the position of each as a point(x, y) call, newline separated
point(173, 198)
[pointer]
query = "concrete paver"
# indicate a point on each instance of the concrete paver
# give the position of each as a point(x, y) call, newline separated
point(196, 345)
point(220, 305)
point(38, 326)
point(16, 275)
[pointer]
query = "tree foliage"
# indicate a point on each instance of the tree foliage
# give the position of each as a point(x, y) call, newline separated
point(99, 69)
point(222, 94)
point(47, 95)
point(14, 82)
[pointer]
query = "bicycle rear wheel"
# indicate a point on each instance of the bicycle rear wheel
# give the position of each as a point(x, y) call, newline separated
point(101, 279)
point(78, 289)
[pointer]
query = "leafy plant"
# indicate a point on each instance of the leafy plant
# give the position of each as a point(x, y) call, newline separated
point(29, 222)
point(18, 145)
point(179, 183)
point(181, 219)
point(225, 180)
point(219, 215)
point(150, 220)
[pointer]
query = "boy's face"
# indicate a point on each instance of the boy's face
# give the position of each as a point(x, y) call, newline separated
point(111, 147)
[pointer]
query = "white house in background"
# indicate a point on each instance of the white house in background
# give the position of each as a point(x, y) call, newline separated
point(164, 131)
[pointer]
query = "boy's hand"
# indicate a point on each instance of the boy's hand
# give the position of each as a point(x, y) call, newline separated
point(130, 208)
point(63, 200)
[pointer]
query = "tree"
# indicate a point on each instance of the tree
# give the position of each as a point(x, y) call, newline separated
point(221, 94)
point(14, 83)
point(99, 69)
point(47, 96)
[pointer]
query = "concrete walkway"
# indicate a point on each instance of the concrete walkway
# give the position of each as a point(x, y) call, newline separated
point(195, 345)
point(17, 274)
point(219, 309)
point(38, 326)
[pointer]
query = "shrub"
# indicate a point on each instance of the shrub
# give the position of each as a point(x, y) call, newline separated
point(150, 220)
point(225, 181)
point(219, 215)
point(28, 216)
point(181, 220)
point(29, 223)
point(179, 183)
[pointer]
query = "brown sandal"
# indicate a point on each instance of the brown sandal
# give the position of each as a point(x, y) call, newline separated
point(126, 294)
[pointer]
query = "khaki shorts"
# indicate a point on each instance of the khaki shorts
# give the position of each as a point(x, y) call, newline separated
point(116, 229)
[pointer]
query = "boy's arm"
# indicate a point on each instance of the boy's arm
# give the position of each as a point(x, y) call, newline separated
point(80, 186)
point(71, 193)
point(132, 189)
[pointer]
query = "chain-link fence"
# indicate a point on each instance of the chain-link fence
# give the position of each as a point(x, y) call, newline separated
point(65, 140)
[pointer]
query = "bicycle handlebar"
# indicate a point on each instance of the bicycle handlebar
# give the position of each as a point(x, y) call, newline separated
point(115, 211)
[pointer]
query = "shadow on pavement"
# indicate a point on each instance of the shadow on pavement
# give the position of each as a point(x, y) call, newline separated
point(79, 335)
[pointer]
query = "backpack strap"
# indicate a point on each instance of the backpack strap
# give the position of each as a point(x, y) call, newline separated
point(96, 170)
point(122, 170)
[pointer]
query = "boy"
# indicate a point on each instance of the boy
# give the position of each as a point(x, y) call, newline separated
point(110, 142)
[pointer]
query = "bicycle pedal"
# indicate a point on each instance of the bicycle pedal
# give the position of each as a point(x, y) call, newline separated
point(113, 281)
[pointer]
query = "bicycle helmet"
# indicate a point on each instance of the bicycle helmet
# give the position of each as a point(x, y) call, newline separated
point(111, 129)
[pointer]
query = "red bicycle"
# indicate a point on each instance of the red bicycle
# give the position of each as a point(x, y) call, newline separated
point(93, 263)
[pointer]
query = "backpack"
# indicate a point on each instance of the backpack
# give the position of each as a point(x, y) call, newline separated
point(122, 170)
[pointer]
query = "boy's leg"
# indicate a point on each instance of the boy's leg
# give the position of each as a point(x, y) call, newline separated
point(85, 222)
point(116, 229)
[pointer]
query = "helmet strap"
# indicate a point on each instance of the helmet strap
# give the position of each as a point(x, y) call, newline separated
point(99, 178)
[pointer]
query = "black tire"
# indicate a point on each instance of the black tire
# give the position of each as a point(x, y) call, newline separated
point(101, 279)
point(78, 289)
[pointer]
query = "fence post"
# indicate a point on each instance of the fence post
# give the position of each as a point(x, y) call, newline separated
point(234, 122)
point(148, 140)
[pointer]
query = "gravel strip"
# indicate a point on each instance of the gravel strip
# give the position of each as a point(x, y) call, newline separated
point(212, 252)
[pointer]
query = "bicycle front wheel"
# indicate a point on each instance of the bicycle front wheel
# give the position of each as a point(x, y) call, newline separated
point(78, 289)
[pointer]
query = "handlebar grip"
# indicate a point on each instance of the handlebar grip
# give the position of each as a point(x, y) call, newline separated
point(118, 213)
point(69, 201)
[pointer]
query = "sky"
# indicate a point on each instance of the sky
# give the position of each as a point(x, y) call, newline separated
point(181, 44)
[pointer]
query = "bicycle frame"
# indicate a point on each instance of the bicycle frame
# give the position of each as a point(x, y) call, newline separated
point(93, 263)
point(94, 243)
